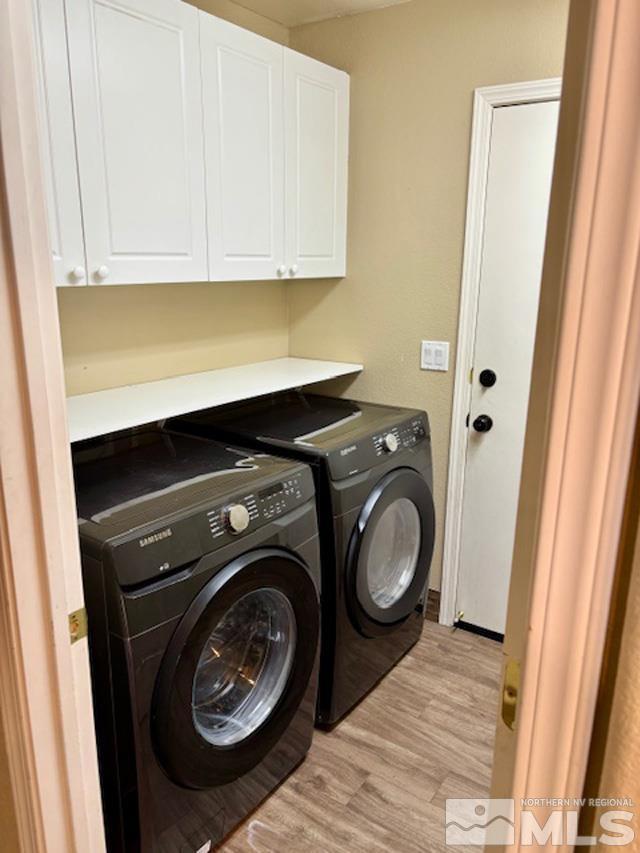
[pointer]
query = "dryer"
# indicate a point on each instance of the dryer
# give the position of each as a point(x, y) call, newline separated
point(201, 574)
point(373, 475)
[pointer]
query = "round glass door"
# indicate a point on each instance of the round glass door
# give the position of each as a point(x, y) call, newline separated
point(390, 552)
point(237, 669)
point(244, 667)
point(392, 559)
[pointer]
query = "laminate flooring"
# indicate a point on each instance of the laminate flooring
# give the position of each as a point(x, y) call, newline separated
point(378, 782)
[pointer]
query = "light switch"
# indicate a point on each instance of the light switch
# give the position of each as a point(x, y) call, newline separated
point(435, 355)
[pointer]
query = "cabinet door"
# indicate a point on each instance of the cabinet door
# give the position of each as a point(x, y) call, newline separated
point(135, 75)
point(58, 144)
point(242, 76)
point(317, 148)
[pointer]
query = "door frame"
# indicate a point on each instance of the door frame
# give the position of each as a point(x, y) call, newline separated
point(47, 710)
point(485, 101)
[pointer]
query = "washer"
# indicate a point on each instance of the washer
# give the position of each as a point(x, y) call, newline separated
point(372, 468)
point(201, 574)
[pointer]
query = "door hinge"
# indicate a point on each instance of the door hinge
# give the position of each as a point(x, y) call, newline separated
point(510, 690)
point(471, 376)
point(78, 625)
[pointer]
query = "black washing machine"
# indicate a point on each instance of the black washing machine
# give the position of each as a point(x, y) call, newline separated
point(201, 574)
point(372, 468)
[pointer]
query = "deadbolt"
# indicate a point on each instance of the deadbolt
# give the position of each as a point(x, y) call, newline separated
point(487, 378)
point(483, 423)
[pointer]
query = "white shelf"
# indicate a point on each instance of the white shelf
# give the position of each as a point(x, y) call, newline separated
point(107, 411)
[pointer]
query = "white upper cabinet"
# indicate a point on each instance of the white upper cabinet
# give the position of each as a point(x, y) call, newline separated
point(58, 143)
point(136, 85)
point(242, 76)
point(316, 146)
point(179, 147)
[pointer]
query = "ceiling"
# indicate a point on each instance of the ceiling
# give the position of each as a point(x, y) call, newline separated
point(291, 13)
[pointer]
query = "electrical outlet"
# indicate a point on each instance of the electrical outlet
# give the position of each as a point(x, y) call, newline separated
point(434, 355)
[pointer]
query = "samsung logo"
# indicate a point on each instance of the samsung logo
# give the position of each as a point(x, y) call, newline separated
point(348, 450)
point(155, 537)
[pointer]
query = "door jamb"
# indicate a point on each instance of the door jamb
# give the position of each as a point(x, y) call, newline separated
point(45, 703)
point(485, 101)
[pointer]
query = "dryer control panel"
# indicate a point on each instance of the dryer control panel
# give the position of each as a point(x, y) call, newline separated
point(403, 435)
point(373, 449)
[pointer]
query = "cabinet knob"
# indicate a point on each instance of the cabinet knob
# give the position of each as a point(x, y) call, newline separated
point(293, 269)
point(78, 273)
point(102, 272)
point(282, 269)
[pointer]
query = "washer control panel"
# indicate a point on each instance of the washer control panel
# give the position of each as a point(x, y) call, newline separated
point(403, 435)
point(257, 508)
point(280, 497)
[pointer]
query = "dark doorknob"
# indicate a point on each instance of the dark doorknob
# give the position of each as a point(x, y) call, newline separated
point(483, 423)
point(487, 378)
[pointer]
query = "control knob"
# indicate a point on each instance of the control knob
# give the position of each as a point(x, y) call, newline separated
point(390, 443)
point(236, 518)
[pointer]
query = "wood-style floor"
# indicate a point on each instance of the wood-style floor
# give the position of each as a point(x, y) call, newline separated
point(379, 780)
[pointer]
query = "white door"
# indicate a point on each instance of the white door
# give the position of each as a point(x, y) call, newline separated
point(137, 95)
point(242, 77)
point(316, 144)
point(517, 202)
point(58, 143)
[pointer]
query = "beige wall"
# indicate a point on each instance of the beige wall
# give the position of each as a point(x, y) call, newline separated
point(237, 14)
point(615, 743)
point(617, 726)
point(116, 335)
point(413, 71)
point(120, 335)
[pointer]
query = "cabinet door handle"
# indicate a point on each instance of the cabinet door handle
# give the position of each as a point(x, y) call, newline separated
point(282, 269)
point(78, 273)
point(293, 269)
point(102, 272)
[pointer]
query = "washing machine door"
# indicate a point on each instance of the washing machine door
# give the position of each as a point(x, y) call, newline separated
point(390, 552)
point(236, 669)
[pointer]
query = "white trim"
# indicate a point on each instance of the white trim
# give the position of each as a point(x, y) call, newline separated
point(45, 700)
point(485, 100)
